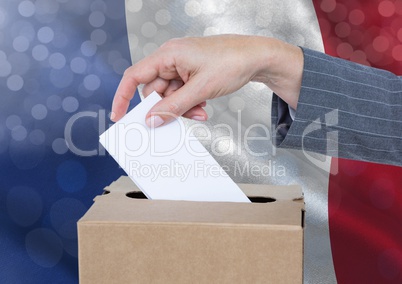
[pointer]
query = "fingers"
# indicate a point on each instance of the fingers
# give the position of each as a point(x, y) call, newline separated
point(174, 85)
point(223, 64)
point(124, 94)
point(162, 87)
point(159, 85)
point(167, 88)
point(196, 113)
point(144, 72)
point(185, 100)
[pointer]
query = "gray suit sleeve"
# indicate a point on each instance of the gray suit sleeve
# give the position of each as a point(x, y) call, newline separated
point(345, 110)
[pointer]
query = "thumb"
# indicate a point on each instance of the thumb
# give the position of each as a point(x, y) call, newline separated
point(175, 105)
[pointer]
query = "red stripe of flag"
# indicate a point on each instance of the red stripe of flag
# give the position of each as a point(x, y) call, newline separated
point(365, 199)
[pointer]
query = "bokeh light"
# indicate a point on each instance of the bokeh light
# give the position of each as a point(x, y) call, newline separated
point(71, 176)
point(372, 29)
point(44, 247)
point(50, 50)
point(24, 205)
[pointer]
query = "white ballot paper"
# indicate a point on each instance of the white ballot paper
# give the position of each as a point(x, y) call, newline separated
point(167, 162)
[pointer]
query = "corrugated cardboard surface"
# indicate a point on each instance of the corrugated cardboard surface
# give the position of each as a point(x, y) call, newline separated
point(126, 240)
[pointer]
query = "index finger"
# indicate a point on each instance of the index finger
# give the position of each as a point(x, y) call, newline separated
point(143, 72)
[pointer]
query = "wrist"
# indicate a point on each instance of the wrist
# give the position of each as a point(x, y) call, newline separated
point(281, 69)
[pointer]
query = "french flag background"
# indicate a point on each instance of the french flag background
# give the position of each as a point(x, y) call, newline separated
point(364, 199)
point(59, 58)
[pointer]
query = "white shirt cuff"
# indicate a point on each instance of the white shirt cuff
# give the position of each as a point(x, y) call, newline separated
point(292, 113)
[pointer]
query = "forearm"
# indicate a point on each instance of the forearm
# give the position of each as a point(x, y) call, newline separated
point(345, 110)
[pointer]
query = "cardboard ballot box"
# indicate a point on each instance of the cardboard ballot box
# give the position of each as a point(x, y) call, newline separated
point(126, 238)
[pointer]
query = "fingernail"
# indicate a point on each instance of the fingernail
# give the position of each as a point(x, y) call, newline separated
point(112, 116)
point(154, 121)
point(198, 117)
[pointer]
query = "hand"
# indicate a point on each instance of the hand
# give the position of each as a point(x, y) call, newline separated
point(189, 71)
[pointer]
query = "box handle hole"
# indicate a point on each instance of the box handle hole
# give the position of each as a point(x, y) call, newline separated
point(136, 195)
point(260, 199)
